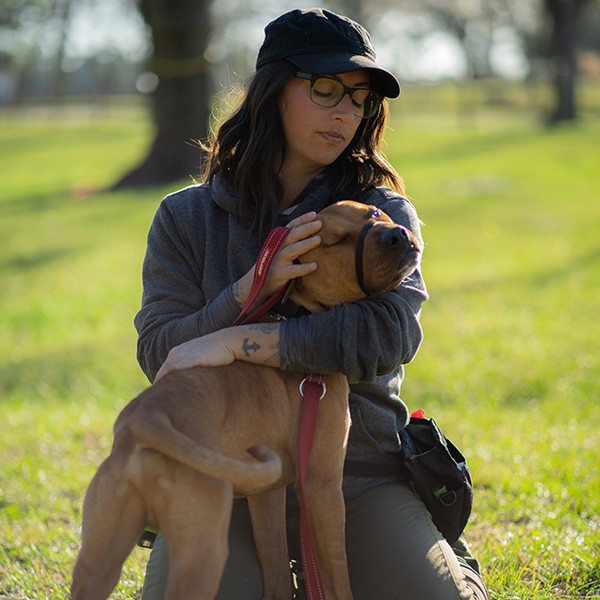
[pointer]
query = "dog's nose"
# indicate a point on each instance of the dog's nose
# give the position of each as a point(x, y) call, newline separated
point(396, 237)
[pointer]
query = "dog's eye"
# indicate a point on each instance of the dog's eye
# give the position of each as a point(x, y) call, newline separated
point(342, 240)
point(337, 241)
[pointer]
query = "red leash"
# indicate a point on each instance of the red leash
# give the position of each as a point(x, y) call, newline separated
point(312, 389)
point(263, 264)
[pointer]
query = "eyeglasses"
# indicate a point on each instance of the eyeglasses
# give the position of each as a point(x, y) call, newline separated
point(326, 90)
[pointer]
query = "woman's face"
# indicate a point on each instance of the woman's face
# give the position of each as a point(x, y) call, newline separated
point(316, 135)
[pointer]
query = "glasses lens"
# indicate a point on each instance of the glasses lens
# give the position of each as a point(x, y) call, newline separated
point(326, 92)
point(329, 92)
point(371, 105)
point(360, 102)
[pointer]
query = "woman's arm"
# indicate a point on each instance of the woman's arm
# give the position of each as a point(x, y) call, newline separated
point(256, 343)
point(363, 339)
point(175, 308)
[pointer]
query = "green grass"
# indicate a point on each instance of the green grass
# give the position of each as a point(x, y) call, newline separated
point(509, 366)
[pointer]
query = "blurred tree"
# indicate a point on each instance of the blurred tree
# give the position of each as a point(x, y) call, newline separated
point(564, 16)
point(470, 22)
point(474, 22)
point(48, 23)
point(355, 9)
point(181, 100)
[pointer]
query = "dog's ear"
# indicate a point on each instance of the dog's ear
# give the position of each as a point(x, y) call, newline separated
point(293, 284)
point(298, 294)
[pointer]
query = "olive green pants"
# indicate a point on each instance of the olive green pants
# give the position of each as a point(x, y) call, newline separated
point(394, 553)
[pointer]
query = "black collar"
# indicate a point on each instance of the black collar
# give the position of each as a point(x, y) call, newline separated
point(358, 257)
point(287, 310)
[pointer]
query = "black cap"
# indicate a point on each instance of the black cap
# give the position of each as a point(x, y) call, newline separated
point(320, 41)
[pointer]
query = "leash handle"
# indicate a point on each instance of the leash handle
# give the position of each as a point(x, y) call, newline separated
point(263, 265)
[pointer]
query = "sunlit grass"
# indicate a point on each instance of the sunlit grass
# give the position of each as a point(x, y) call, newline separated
point(510, 362)
point(509, 365)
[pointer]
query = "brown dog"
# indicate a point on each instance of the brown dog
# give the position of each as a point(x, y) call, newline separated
point(181, 448)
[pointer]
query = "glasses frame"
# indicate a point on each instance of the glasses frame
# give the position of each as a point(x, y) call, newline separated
point(313, 77)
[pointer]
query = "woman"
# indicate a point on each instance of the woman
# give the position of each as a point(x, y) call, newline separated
point(307, 134)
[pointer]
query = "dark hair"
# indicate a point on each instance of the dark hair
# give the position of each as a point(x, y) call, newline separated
point(249, 148)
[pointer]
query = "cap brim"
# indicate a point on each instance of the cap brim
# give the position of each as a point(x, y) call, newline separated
point(382, 82)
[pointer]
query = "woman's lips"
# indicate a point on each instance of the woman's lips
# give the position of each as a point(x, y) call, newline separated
point(333, 137)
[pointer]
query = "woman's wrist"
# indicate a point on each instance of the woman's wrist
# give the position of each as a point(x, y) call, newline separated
point(241, 288)
point(257, 343)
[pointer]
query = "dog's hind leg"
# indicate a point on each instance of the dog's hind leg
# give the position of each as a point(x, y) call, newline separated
point(113, 518)
point(267, 512)
point(195, 524)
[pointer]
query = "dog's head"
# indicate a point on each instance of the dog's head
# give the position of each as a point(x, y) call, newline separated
point(363, 253)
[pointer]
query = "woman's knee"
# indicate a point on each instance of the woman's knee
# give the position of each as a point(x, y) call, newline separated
point(157, 571)
point(242, 577)
point(395, 551)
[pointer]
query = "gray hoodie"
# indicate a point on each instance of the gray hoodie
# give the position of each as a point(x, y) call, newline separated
point(197, 248)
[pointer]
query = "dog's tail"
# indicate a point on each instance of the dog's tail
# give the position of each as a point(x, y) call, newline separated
point(157, 432)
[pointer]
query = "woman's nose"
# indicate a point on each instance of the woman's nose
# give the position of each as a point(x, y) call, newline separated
point(345, 106)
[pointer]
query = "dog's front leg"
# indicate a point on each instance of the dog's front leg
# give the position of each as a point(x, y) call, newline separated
point(327, 514)
point(267, 513)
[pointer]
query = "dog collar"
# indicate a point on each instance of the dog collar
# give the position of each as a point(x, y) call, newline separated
point(358, 257)
point(287, 310)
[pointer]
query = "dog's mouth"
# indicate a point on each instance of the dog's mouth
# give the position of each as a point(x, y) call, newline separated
point(410, 261)
point(382, 279)
point(392, 240)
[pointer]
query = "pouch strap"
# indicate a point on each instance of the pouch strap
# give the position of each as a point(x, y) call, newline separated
point(353, 468)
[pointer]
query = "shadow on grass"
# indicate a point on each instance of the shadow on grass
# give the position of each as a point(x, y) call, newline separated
point(29, 202)
point(79, 373)
point(552, 275)
point(37, 259)
point(472, 144)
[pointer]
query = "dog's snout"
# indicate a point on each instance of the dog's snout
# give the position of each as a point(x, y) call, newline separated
point(396, 237)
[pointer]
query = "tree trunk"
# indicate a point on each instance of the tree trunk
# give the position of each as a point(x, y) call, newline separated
point(563, 56)
point(181, 102)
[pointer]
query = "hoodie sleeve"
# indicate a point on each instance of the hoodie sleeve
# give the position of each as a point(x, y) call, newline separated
point(368, 338)
point(174, 308)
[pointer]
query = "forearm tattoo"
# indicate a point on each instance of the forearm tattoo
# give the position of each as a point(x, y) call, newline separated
point(236, 288)
point(250, 345)
point(265, 328)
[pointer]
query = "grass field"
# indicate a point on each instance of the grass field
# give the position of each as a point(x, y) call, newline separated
point(509, 367)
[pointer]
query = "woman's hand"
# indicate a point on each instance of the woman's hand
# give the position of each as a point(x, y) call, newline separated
point(302, 238)
point(209, 350)
point(256, 343)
